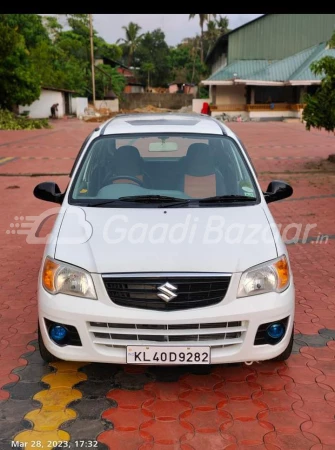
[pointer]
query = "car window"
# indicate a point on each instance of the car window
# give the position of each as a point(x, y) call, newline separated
point(174, 165)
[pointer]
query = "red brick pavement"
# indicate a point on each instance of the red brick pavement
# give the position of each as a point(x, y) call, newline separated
point(267, 406)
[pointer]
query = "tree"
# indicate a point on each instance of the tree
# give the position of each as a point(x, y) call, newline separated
point(222, 24)
point(185, 64)
point(132, 40)
point(153, 49)
point(148, 67)
point(108, 78)
point(215, 28)
point(29, 26)
point(19, 81)
point(319, 111)
point(202, 19)
point(52, 26)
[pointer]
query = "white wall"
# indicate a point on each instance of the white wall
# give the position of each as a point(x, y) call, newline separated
point(78, 105)
point(40, 108)
point(244, 114)
point(260, 114)
point(113, 105)
point(197, 104)
point(230, 95)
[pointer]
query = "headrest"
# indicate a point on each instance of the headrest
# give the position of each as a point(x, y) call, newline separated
point(199, 161)
point(128, 161)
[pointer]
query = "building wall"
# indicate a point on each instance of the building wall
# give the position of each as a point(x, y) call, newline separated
point(78, 105)
point(230, 95)
point(277, 36)
point(169, 101)
point(113, 105)
point(40, 108)
point(274, 114)
point(197, 104)
point(173, 88)
point(133, 89)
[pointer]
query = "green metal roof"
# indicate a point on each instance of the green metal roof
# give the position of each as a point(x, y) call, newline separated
point(293, 68)
point(284, 69)
point(305, 73)
point(242, 68)
point(278, 36)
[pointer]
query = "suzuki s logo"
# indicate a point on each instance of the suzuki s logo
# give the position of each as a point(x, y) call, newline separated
point(167, 293)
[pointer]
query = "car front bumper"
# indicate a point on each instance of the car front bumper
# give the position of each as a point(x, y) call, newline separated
point(249, 312)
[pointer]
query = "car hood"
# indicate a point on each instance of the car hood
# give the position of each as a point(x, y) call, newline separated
point(113, 240)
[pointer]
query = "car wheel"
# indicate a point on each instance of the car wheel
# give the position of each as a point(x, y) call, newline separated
point(44, 352)
point(287, 352)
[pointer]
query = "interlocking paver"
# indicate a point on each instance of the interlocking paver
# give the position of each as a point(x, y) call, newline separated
point(270, 406)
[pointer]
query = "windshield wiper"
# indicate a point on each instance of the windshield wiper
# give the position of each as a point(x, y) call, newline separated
point(154, 198)
point(171, 201)
point(227, 199)
point(106, 202)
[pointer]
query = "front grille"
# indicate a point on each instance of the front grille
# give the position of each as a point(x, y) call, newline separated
point(213, 334)
point(192, 291)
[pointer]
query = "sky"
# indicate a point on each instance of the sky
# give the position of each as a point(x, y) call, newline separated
point(175, 26)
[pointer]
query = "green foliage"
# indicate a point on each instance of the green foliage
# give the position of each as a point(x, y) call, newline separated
point(104, 50)
point(153, 49)
point(19, 81)
point(185, 63)
point(8, 121)
point(108, 78)
point(52, 26)
point(148, 67)
point(131, 41)
point(206, 18)
point(30, 26)
point(215, 28)
point(37, 51)
point(331, 42)
point(203, 92)
point(319, 111)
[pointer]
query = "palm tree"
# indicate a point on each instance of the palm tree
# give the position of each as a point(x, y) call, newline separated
point(215, 28)
point(132, 39)
point(222, 23)
point(202, 19)
point(148, 67)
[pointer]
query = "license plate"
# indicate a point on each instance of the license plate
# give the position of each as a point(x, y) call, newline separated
point(141, 354)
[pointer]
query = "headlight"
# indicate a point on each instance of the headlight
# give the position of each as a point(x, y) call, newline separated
point(58, 277)
point(273, 276)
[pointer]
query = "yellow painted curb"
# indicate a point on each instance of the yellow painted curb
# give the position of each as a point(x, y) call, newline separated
point(54, 411)
point(56, 399)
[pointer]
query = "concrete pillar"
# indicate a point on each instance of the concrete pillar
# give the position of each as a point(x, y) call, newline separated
point(213, 95)
point(303, 91)
point(252, 96)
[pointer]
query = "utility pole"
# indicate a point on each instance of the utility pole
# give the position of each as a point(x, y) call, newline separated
point(92, 59)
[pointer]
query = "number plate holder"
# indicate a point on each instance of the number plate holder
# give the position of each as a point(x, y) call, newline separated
point(163, 355)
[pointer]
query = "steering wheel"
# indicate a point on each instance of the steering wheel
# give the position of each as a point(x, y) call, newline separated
point(127, 177)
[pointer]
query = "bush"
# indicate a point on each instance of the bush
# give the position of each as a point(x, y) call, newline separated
point(9, 121)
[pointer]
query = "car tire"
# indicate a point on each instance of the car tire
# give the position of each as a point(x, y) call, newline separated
point(287, 352)
point(44, 352)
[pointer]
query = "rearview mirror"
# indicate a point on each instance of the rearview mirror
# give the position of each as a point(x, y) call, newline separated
point(277, 190)
point(49, 192)
point(163, 147)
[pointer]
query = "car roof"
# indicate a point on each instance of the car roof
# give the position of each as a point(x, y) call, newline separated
point(164, 123)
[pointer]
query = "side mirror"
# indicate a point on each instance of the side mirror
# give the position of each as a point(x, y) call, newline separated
point(277, 190)
point(49, 192)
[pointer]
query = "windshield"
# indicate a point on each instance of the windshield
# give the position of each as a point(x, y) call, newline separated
point(183, 170)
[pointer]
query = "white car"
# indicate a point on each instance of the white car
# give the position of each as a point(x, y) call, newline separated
point(164, 250)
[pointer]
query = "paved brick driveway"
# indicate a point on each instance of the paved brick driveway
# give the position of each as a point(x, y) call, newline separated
point(265, 406)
